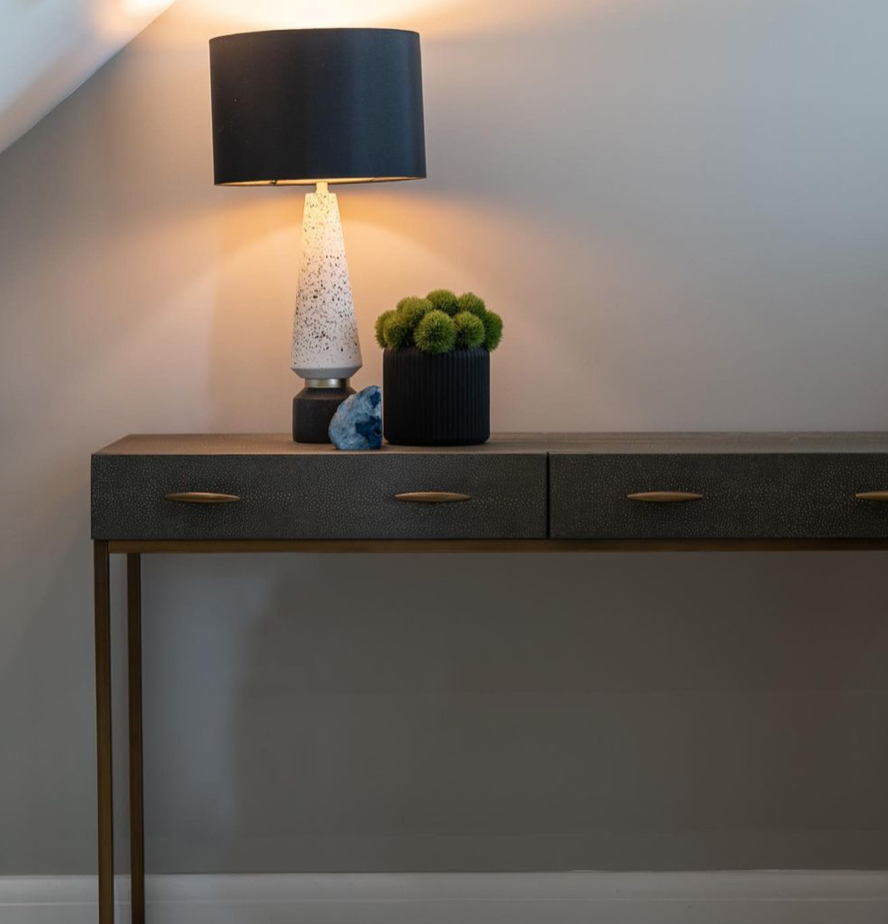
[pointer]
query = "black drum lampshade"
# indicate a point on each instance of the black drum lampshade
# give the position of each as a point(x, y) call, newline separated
point(302, 106)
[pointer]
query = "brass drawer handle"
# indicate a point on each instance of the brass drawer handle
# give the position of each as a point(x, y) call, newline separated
point(201, 497)
point(432, 497)
point(873, 496)
point(665, 497)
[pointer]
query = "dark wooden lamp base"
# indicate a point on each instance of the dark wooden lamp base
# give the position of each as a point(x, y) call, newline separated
point(313, 409)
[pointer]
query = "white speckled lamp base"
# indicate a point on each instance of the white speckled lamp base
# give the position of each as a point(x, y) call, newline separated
point(325, 333)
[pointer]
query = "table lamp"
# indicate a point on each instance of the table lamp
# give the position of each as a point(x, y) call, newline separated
point(318, 106)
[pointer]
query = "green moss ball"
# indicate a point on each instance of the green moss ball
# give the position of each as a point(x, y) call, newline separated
point(396, 331)
point(440, 322)
point(493, 330)
point(444, 300)
point(380, 327)
point(470, 302)
point(469, 329)
point(413, 310)
point(436, 333)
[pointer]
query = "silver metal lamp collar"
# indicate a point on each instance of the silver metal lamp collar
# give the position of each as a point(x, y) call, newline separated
point(326, 383)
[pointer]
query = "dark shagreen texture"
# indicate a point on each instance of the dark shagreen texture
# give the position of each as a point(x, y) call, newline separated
point(320, 496)
point(771, 495)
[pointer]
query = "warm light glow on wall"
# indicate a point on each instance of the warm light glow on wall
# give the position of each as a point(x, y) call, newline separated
point(309, 14)
point(193, 20)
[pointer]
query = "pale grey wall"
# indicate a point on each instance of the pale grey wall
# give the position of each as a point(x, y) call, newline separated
point(681, 208)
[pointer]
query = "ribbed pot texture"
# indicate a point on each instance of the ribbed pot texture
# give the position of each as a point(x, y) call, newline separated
point(436, 399)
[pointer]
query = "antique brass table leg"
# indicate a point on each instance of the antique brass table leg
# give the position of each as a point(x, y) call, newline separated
point(134, 681)
point(103, 731)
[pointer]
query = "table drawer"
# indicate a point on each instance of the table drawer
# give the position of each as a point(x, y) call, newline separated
point(738, 496)
point(320, 496)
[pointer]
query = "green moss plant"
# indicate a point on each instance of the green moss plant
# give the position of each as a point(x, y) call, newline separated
point(435, 333)
point(469, 330)
point(397, 331)
point(380, 327)
point(413, 310)
point(439, 323)
point(470, 302)
point(444, 300)
point(493, 330)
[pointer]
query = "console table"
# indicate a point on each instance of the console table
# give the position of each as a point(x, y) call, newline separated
point(517, 493)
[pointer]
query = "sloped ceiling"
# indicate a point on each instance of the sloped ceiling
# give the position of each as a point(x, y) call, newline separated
point(49, 47)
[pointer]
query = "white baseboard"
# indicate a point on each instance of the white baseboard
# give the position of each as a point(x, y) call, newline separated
point(766, 897)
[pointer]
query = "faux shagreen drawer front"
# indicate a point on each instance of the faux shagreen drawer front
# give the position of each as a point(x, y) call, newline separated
point(325, 496)
point(745, 496)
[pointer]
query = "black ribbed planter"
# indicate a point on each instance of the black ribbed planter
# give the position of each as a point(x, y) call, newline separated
point(436, 399)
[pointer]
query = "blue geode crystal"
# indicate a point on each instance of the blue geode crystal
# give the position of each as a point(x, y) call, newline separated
point(357, 423)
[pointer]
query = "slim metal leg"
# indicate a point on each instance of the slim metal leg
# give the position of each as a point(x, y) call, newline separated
point(103, 732)
point(136, 797)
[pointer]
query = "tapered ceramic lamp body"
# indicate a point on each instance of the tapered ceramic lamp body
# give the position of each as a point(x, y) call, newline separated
point(325, 331)
point(317, 107)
